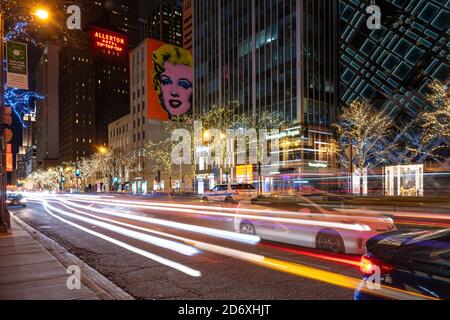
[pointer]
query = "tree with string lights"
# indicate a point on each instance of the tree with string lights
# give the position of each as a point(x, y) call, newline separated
point(436, 123)
point(363, 130)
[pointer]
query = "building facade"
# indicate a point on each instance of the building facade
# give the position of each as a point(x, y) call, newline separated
point(76, 104)
point(165, 22)
point(187, 24)
point(392, 66)
point(120, 145)
point(94, 76)
point(143, 31)
point(26, 158)
point(47, 110)
point(274, 57)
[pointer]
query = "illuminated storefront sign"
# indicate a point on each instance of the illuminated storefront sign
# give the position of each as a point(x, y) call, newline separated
point(109, 43)
point(318, 165)
point(9, 158)
point(284, 134)
point(244, 173)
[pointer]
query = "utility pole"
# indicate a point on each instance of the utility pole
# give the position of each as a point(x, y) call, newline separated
point(4, 214)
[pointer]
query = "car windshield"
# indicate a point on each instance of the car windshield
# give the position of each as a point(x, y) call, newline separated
point(443, 234)
point(242, 187)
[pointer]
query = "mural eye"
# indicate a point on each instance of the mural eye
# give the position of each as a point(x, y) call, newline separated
point(185, 84)
point(166, 81)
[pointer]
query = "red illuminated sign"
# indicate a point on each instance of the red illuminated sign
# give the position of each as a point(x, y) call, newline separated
point(110, 43)
point(9, 158)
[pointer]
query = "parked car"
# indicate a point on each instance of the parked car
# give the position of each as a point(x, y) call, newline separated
point(416, 261)
point(231, 193)
point(15, 199)
point(314, 227)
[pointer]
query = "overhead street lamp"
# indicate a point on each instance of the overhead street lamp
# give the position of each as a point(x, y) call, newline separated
point(42, 14)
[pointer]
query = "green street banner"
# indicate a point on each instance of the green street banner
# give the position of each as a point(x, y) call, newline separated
point(17, 65)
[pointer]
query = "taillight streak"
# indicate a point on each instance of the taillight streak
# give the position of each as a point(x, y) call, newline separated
point(334, 258)
point(370, 265)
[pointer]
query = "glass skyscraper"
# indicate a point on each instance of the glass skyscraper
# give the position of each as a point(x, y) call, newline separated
point(267, 55)
point(274, 56)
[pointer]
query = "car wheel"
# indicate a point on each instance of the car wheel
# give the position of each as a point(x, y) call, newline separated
point(247, 228)
point(228, 199)
point(329, 240)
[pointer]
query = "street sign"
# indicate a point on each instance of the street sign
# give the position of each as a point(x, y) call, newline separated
point(17, 65)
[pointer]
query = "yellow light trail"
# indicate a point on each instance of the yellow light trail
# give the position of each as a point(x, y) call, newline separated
point(283, 266)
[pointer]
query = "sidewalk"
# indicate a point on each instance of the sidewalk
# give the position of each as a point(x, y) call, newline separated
point(29, 272)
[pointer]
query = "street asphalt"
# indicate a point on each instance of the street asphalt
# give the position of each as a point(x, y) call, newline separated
point(222, 277)
point(180, 249)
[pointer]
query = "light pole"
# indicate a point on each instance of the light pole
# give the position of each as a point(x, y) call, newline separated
point(3, 209)
point(42, 15)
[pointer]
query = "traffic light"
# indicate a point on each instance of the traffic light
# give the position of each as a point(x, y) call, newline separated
point(78, 173)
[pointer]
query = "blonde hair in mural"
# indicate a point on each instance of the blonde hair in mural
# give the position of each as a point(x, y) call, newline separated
point(168, 53)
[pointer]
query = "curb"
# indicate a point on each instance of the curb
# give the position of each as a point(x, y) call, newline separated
point(102, 287)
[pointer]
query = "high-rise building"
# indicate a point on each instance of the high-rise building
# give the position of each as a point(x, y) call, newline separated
point(165, 22)
point(270, 56)
point(94, 78)
point(274, 56)
point(76, 104)
point(391, 66)
point(121, 14)
point(111, 79)
point(187, 24)
point(143, 31)
point(47, 110)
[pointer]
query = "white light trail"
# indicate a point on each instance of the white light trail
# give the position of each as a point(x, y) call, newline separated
point(176, 225)
point(283, 266)
point(174, 246)
point(146, 254)
point(298, 221)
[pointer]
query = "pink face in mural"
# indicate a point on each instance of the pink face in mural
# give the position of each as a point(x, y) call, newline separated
point(176, 88)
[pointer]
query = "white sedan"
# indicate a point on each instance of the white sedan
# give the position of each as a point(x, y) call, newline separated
point(312, 227)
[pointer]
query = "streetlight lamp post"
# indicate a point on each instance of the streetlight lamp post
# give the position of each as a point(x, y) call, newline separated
point(42, 15)
point(3, 210)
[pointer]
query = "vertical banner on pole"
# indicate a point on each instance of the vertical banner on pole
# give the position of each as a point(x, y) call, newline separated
point(17, 65)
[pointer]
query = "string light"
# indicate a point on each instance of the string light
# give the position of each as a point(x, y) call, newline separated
point(19, 31)
point(21, 102)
